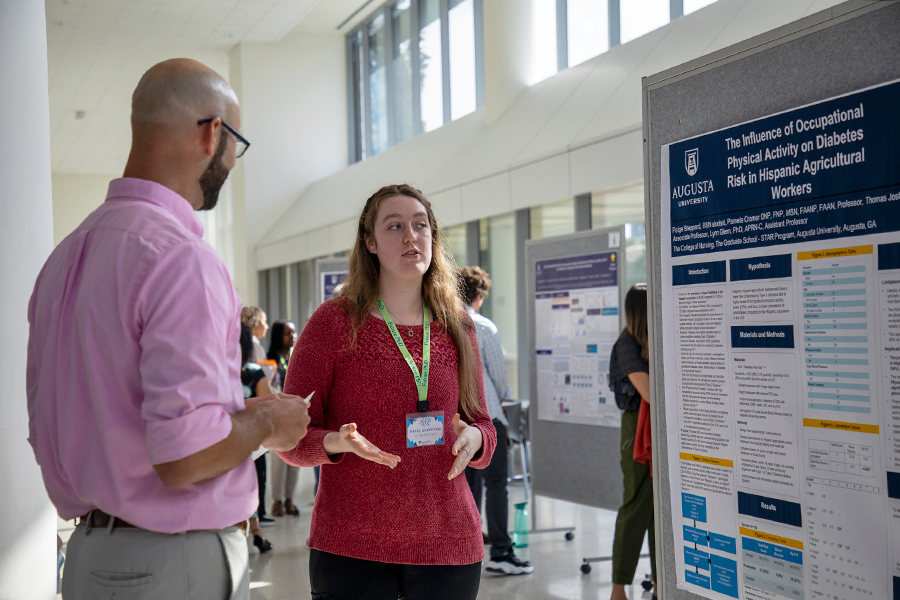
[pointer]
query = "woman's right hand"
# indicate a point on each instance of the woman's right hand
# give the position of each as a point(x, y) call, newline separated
point(348, 439)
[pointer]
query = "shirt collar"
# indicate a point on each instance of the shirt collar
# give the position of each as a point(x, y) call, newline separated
point(127, 188)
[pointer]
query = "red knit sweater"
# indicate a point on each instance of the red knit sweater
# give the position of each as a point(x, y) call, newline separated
point(411, 514)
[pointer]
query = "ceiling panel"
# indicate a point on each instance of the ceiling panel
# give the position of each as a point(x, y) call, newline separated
point(97, 51)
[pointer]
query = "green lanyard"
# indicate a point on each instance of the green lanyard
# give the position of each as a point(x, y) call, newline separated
point(421, 380)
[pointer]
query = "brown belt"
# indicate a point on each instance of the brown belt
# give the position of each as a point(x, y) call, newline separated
point(97, 519)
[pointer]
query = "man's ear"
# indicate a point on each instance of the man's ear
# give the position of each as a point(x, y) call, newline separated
point(210, 136)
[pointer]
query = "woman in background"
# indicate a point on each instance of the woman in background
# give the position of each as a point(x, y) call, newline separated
point(254, 383)
point(398, 412)
point(284, 476)
point(629, 378)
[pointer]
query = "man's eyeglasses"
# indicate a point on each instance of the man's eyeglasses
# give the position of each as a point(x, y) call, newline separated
point(240, 146)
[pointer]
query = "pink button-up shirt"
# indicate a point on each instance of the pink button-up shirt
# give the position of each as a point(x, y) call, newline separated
point(134, 360)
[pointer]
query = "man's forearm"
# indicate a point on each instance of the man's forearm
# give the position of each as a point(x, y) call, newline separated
point(248, 430)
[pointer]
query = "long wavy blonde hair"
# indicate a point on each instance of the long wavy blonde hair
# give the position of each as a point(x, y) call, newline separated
point(439, 290)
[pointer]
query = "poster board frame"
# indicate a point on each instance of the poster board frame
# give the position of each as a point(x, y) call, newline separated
point(777, 71)
point(573, 462)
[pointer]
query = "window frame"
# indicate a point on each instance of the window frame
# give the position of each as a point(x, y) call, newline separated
point(359, 132)
point(676, 10)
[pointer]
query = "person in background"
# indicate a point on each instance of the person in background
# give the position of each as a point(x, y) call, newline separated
point(254, 318)
point(629, 379)
point(135, 409)
point(255, 385)
point(474, 284)
point(284, 476)
point(398, 412)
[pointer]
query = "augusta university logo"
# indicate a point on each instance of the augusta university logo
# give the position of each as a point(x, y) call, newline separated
point(692, 161)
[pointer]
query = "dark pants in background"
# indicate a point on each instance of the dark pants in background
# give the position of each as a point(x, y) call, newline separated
point(493, 478)
point(261, 480)
point(636, 513)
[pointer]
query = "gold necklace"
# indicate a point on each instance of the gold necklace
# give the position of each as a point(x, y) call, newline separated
point(409, 331)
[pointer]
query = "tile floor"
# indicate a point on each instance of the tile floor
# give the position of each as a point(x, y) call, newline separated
point(283, 573)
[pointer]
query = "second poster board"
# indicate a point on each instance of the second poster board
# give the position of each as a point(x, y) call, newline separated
point(575, 290)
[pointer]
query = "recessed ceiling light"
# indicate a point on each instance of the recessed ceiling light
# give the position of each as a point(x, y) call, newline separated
point(79, 114)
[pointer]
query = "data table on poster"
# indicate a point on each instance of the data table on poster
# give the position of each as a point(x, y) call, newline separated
point(836, 335)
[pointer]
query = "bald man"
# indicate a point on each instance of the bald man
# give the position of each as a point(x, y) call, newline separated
point(136, 410)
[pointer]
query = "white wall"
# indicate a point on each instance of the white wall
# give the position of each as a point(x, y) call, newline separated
point(293, 111)
point(74, 198)
point(28, 543)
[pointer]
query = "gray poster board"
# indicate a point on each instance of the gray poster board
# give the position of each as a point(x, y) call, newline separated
point(852, 46)
point(571, 461)
point(329, 273)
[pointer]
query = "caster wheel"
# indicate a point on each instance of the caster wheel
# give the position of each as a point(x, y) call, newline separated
point(585, 568)
point(570, 536)
point(647, 585)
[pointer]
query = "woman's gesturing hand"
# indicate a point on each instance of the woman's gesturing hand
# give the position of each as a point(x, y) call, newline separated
point(468, 442)
point(348, 439)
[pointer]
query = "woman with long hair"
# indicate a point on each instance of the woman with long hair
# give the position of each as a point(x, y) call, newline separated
point(284, 476)
point(629, 377)
point(398, 411)
point(253, 380)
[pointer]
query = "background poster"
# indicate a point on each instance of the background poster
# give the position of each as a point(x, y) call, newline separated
point(576, 324)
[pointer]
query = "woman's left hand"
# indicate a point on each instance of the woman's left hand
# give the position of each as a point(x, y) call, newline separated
point(468, 442)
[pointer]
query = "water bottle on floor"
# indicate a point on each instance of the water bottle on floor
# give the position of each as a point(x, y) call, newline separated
point(520, 523)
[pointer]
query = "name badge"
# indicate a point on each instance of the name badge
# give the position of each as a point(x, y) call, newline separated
point(424, 429)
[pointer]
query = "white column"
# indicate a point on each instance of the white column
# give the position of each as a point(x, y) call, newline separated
point(507, 53)
point(28, 543)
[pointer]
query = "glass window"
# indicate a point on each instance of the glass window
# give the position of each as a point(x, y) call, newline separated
point(401, 63)
point(356, 95)
point(694, 5)
point(498, 258)
point(587, 23)
point(557, 218)
point(461, 21)
point(430, 67)
point(638, 17)
point(454, 239)
point(624, 206)
point(378, 85)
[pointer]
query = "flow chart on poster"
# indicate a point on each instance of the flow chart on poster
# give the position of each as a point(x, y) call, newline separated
point(781, 332)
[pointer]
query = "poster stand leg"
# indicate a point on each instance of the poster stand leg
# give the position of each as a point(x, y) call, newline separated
point(569, 531)
point(586, 568)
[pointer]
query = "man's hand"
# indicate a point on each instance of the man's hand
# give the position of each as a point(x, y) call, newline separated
point(278, 422)
point(289, 418)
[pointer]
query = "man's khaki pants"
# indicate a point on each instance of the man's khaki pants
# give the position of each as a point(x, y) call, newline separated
point(136, 564)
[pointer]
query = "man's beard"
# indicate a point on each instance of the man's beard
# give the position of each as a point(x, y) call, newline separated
point(214, 177)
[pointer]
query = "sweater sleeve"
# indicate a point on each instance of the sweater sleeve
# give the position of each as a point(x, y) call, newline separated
point(483, 422)
point(311, 371)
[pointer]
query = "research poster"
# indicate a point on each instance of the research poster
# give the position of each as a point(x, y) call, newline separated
point(781, 335)
point(576, 308)
point(328, 282)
